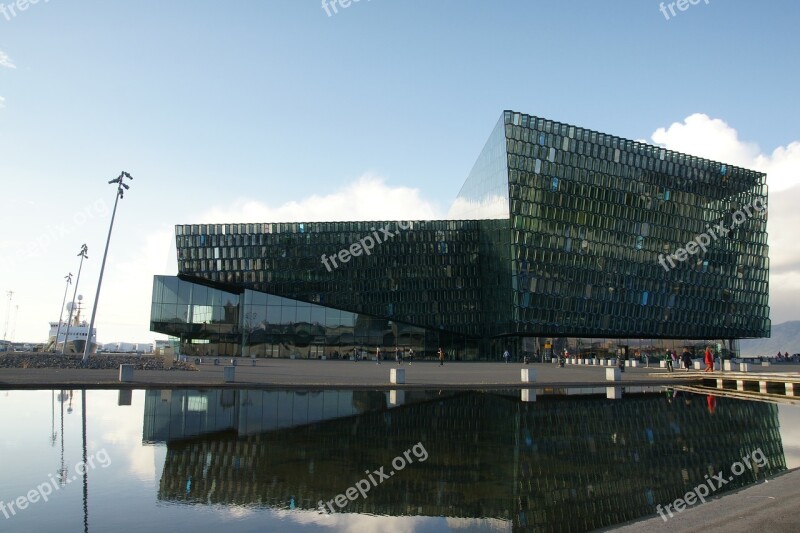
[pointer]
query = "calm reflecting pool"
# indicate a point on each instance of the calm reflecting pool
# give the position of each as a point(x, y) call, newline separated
point(251, 460)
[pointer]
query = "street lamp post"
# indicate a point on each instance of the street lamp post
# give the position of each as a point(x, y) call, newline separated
point(68, 277)
point(83, 256)
point(121, 188)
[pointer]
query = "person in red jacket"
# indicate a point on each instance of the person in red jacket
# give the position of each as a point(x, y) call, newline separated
point(709, 359)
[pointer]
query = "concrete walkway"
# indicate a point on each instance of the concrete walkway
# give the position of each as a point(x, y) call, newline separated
point(770, 506)
point(315, 374)
point(286, 373)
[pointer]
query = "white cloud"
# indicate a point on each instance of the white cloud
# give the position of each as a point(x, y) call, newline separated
point(493, 206)
point(132, 297)
point(367, 198)
point(6, 61)
point(714, 139)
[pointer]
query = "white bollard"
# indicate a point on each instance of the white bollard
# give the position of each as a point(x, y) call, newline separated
point(397, 397)
point(554, 360)
point(697, 365)
point(765, 363)
point(614, 393)
point(528, 375)
point(528, 395)
point(662, 364)
point(126, 373)
point(229, 374)
point(727, 365)
point(397, 375)
point(635, 363)
point(613, 374)
point(744, 367)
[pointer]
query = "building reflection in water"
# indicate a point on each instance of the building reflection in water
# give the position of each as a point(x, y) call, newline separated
point(571, 463)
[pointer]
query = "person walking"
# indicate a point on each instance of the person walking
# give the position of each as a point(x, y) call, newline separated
point(506, 355)
point(378, 355)
point(410, 356)
point(668, 360)
point(398, 355)
point(686, 357)
point(708, 357)
point(441, 357)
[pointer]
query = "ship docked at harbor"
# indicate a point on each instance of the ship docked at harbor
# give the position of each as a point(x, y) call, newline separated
point(74, 333)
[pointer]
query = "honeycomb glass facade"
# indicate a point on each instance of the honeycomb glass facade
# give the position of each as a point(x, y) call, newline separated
point(570, 238)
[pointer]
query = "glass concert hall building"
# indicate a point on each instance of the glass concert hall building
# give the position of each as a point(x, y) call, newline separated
point(561, 238)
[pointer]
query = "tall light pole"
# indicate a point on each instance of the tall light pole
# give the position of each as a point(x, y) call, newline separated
point(68, 277)
point(14, 327)
point(85, 470)
point(121, 188)
point(82, 254)
point(8, 315)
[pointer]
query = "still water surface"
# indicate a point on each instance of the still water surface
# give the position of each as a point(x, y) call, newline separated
point(188, 460)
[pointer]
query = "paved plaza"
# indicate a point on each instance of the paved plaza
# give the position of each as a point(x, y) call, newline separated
point(316, 374)
point(768, 506)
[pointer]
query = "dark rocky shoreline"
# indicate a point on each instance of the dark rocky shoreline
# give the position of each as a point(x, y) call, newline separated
point(96, 362)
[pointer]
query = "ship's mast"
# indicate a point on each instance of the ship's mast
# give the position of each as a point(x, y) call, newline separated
point(8, 314)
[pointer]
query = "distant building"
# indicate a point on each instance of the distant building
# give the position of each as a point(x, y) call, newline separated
point(568, 239)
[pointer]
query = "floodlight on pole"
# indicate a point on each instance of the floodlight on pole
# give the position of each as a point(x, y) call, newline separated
point(121, 188)
point(68, 278)
point(82, 255)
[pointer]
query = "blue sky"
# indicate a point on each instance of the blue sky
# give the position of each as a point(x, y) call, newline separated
point(234, 110)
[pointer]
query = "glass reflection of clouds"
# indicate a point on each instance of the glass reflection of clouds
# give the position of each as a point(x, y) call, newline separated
point(484, 195)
